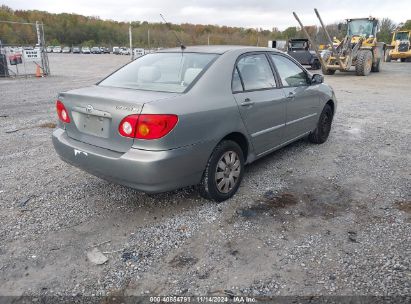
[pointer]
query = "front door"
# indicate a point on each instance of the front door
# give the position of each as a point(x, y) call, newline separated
point(302, 99)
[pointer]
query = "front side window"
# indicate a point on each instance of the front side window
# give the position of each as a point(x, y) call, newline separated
point(291, 74)
point(166, 72)
point(256, 73)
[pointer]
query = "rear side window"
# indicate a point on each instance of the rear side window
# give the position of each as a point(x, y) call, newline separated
point(255, 72)
point(166, 72)
point(237, 86)
point(291, 74)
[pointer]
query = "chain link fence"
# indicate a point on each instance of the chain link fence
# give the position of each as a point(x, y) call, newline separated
point(25, 60)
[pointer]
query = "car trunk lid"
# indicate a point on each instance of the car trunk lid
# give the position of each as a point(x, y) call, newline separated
point(97, 111)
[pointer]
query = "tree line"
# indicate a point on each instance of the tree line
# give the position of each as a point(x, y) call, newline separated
point(74, 29)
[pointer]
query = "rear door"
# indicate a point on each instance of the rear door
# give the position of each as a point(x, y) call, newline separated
point(260, 101)
point(302, 99)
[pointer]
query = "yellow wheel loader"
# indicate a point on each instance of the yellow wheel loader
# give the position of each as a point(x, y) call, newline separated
point(400, 47)
point(359, 48)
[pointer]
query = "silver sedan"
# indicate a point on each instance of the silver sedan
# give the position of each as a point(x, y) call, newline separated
point(177, 118)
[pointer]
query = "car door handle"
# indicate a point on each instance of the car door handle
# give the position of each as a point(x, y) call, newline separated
point(247, 102)
point(291, 95)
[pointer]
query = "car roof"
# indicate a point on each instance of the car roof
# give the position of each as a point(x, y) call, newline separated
point(217, 49)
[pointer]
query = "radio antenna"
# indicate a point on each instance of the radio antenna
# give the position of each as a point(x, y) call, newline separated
point(182, 46)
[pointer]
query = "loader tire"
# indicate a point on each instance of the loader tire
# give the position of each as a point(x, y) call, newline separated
point(364, 63)
point(328, 72)
point(376, 67)
point(324, 70)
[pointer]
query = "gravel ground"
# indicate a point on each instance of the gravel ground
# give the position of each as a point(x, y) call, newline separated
point(308, 220)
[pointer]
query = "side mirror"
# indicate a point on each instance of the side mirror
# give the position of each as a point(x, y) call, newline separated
point(340, 26)
point(317, 79)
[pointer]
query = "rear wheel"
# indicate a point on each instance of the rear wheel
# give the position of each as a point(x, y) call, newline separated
point(321, 132)
point(223, 173)
point(376, 67)
point(364, 63)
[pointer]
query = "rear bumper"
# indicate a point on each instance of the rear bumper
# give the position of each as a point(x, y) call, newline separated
point(147, 171)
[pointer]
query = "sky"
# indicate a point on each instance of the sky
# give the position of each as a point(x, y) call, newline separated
point(264, 14)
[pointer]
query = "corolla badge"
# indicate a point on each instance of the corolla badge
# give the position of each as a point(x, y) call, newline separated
point(89, 108)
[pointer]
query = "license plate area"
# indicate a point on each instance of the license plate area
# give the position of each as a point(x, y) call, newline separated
point(92, 124)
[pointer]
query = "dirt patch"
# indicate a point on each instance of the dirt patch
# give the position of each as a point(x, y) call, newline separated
point(282, 200)
point(308, 198)
point(403, 206)
point(50, 125)
point(270, 202)
point(183, 260)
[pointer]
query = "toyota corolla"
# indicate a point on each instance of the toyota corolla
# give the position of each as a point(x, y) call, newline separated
point(177, 118)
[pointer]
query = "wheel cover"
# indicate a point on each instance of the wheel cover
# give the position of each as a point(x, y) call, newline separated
point(228, 171)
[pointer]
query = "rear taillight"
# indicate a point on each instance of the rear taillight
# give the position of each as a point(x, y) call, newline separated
point(147, 126)
point(62, 112)
point(128, 125)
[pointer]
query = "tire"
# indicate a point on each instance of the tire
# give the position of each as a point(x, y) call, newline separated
point(364, 63)
point(403, 59)
point(316, 65)
point(328, 72)
point(376, 67)
point(322, 131)
point(229, 156)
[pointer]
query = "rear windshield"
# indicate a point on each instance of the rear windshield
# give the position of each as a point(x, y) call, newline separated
point(167, 72)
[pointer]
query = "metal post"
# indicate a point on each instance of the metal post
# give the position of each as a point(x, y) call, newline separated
point(131, 41)
point(148, 38)
point(329, 39)
point(39, 43)
point(44, 56)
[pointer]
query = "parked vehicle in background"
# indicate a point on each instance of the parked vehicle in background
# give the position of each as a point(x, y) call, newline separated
point(85, 50)
point(49, 49)
point(66, 49)
point(105, 50)
point(76, 50)
point(95, 50)
point(280, 45)
point(116, 50)
point(137, 52)
point(57, 49)
point(124, 51)
point(167, 120)
point(400, 47)
point(300, 50)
